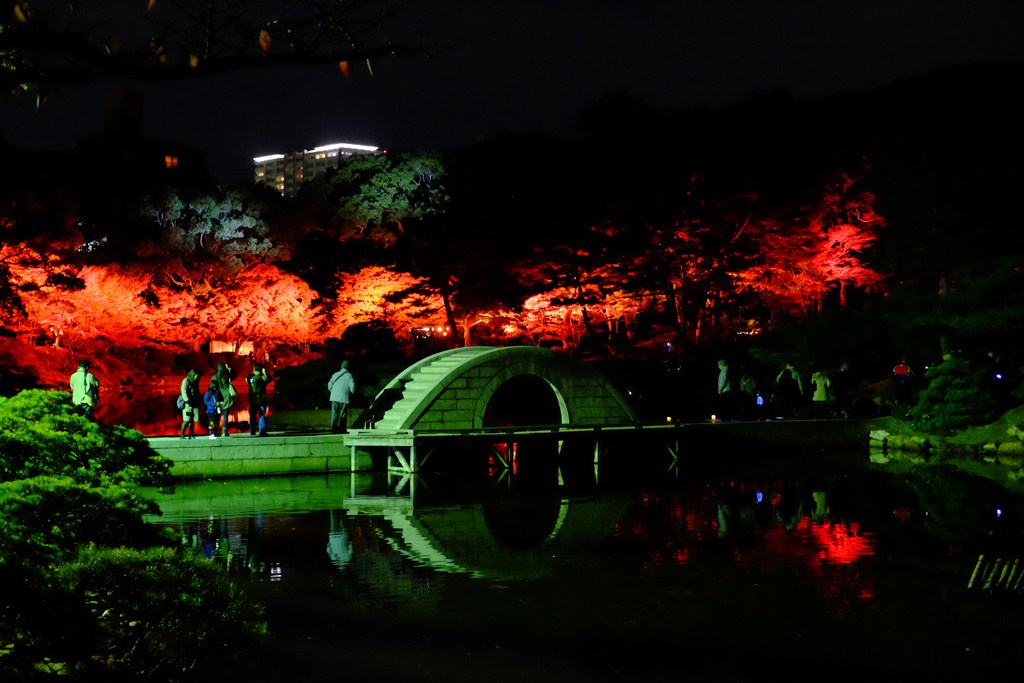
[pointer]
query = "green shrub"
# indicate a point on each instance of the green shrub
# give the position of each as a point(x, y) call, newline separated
point(956, 397)
point(161, 609)
point(152, 614)
point(84, 594)
point(41, 434)
point(44, 520)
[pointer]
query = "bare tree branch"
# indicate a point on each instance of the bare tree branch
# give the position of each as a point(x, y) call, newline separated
point(193, 39)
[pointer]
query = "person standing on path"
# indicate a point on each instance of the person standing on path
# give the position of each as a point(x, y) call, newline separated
point(842, 387)
point(85, 389)
point(257, 382)
point(724, 390)
point(791, 391)
point(903, 376)
point(212, 417)
point(341, 385)
point(225, 391)
point(191, 402)
point(821, 384)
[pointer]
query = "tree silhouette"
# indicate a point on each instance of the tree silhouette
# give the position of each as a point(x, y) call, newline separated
point(43, 45)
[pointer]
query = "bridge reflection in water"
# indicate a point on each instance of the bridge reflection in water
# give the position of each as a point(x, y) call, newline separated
point(502, 527)
point(378, 576)
point(503, 537)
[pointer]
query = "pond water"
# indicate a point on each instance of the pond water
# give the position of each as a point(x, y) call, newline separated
point(809, 566)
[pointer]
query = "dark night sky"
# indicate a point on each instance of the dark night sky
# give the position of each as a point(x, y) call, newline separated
point(531, 65)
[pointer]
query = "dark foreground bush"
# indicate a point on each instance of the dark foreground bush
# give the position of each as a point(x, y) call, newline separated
point(127, 614)
point(159, 610)
point(44, 520)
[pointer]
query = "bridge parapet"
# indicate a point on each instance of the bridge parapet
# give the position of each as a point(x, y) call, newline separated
point(451, 390)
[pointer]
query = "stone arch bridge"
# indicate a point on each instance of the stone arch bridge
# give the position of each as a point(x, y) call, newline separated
point(451, 390)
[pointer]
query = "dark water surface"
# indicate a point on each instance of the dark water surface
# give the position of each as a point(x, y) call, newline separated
point(802, 567)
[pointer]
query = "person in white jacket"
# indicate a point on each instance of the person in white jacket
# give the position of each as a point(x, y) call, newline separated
point(341, 385)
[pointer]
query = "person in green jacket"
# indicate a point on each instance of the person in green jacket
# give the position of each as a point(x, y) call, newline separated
point(85, 389)
point(191, 400)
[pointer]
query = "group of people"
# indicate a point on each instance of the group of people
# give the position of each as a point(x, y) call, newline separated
point(215, 405)
point(220, 396)
point(787, 395)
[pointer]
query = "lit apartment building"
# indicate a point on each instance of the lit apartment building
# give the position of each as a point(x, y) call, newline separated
point(287, 172)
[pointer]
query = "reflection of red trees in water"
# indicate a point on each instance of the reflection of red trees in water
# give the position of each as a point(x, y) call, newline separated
point(759, 538)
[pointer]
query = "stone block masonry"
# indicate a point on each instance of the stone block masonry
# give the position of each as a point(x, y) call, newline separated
point(242, 455)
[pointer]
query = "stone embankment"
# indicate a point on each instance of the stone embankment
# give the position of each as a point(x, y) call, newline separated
point(1008, 455)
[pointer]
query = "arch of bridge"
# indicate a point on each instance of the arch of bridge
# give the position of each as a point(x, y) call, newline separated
point(459, 538)
point(451, 389)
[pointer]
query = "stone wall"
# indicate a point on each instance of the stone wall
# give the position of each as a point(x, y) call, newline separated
point(245, 456)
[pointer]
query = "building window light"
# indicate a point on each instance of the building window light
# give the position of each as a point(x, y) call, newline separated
point(170, 161)
point(279, 178)
point(259, 174)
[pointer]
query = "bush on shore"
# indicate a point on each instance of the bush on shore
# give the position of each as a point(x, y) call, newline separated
point(957, 396)
point(95, 592)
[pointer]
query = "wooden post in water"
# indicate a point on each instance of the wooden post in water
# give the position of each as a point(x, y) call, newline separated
point(974, 574)
point(1020, 579)
point(1002, 577)
point(995, 570)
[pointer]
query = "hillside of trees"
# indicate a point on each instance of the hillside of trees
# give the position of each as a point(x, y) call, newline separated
point(865, 226)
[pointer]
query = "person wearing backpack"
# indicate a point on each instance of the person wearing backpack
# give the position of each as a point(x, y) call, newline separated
point(85, 389)
point(225, 391)
point(212, 419)
point(257, 381)
point(189, 403)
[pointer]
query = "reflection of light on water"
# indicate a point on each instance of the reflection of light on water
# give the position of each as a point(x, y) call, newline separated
point(842, 543)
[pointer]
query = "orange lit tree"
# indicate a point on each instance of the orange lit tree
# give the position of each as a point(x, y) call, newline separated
point(804, 255)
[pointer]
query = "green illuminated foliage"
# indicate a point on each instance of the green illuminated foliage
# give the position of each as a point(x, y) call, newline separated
point(91, 590)
point(377, 190)
point(956, 397)
point(44, 520)
point(41, 434)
